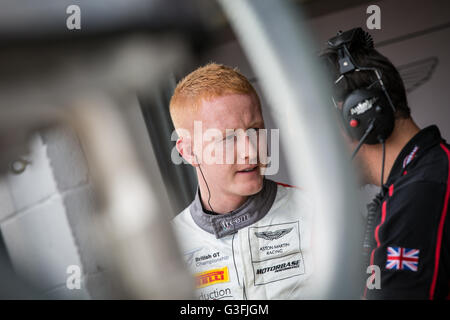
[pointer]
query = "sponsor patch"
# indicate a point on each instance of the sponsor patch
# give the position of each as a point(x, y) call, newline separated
point(200, 256)
point(235, 221)
point(410, 157)
point(211, 277)
point(272, 235)
point(280, 267)
point(210, 258)
point(275, 252)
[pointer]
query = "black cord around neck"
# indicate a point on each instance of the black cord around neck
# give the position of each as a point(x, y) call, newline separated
point(207, 187)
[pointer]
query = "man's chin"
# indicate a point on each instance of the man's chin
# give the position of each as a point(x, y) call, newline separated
point(250, 188)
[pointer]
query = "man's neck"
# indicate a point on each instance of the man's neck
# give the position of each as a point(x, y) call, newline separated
point(220, 203)
point(404, 131)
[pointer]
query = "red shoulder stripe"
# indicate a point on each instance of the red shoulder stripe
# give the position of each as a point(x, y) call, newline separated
point(287, 185)
point(440, 228)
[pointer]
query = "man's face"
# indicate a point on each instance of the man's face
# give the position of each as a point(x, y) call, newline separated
point(230, 145)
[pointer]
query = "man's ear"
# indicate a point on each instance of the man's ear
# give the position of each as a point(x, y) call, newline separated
point(184, 147)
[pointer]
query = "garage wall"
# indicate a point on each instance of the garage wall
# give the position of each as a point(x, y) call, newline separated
point(35, 223)
point(46, 215)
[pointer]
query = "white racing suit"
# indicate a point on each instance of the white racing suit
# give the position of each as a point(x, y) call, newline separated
point(262, 250)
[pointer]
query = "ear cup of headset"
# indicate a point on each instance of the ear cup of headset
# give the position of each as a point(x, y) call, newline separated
point(362, 106)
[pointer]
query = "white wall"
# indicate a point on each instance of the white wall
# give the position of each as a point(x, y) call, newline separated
point(35, 225)
point(47, 213)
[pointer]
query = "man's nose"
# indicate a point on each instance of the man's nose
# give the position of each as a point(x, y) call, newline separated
point(248, 147)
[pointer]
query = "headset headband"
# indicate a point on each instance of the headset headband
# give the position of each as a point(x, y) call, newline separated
point(351, 40)
point(348, 41)
point(367, 112)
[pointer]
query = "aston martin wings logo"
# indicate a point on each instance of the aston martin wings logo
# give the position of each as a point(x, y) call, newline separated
point(272, 235)
point(418, 72)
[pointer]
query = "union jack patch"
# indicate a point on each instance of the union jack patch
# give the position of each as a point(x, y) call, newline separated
point(399, 258)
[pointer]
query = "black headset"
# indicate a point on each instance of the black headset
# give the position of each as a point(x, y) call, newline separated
point(367, 113)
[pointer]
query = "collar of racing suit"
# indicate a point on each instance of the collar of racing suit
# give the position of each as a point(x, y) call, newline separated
point(253, 209)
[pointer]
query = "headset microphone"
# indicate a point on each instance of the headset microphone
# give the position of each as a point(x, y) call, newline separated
point(364, 137)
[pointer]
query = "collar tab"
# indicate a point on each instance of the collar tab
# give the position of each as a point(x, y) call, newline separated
point(253, 210)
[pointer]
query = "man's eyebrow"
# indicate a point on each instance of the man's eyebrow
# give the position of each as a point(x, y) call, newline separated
point(254, 124)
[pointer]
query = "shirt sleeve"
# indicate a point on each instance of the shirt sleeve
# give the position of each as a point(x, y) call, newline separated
point(412, 244)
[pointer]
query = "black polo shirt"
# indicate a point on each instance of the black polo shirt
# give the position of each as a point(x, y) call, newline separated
point(410, 237)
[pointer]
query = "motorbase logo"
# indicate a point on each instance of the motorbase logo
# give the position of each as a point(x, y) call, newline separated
point(280, 267)
point(210, 277)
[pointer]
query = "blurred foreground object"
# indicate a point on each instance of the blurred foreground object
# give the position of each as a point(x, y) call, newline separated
point(87, 81)
point(281, 53)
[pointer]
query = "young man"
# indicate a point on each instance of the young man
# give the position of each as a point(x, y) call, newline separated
point(243, 236)
point(408, 234)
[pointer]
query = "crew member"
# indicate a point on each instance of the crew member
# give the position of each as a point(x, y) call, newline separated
point(408, 235)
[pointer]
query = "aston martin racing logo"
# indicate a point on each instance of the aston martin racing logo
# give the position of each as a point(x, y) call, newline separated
point(272, 235)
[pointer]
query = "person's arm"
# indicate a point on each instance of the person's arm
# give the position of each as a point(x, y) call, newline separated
point(413, 244)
